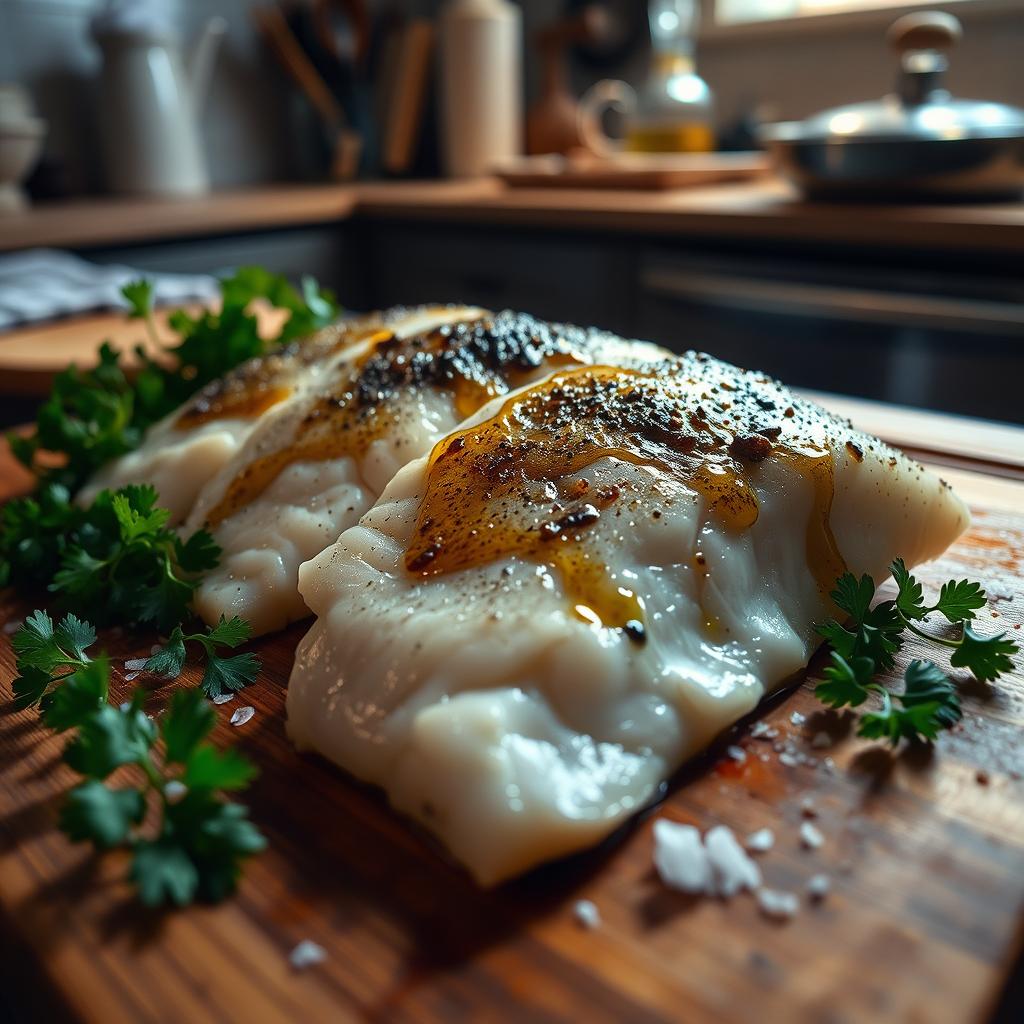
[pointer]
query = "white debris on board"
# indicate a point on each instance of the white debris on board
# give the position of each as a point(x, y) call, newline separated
point(242, 715)
point(810, 836)
point(13, 626)
point(680, 858)
point(763, 731)
point(223, 698)
point(129, 676)
point(587, 915)
point(738, 754)
point(174, 790)
point(797, 719)
point(760, 841)
point(821, 741)
point(731, 867)
point(777, 904)
point(306, 954)
point(818, 887)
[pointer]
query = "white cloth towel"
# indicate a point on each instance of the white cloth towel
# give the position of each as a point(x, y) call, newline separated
point(43, 284)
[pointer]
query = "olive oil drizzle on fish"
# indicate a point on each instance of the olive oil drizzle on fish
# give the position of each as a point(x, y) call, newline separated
point(256, 386)
point(474, 360)
point(698, 422)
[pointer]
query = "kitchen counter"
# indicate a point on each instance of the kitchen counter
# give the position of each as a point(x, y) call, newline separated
point(760, 210)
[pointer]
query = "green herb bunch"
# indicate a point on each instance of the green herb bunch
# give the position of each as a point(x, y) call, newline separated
point(928, 701)
point(95, 415)
point(167, 806)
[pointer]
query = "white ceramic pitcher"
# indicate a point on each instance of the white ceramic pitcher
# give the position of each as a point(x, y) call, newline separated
point(152, 90)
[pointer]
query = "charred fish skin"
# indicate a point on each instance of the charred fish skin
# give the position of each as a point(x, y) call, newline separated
point(584, 584)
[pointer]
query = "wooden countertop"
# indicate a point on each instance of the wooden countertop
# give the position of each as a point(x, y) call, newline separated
point(768, 210)
point(925, 853)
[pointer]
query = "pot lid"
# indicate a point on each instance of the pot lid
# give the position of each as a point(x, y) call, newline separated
point(920, 109)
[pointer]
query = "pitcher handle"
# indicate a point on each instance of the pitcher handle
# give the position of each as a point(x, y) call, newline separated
point(608, 93)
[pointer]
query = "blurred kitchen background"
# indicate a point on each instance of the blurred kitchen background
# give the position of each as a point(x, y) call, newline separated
point(401, 152)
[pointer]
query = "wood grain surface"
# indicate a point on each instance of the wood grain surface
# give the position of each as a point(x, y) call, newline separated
point(925, 850)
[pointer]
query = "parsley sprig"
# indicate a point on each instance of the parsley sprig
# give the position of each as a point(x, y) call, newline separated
point(187, 841)
point(223, 675)
point(97, 414)
point(116, 560)
point(929, 701)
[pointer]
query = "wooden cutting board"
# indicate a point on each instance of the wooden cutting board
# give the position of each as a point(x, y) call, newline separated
point(925, 851)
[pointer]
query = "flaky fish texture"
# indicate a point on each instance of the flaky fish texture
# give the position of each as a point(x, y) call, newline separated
point(583, 585)
point(318, 460)
point(185, 450)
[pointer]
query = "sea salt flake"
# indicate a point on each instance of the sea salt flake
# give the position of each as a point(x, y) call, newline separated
point(763, 731)
point(242, 715)
point(680, 858)
point(760, 841)
point(797, 719)
point(818, 887)
point(788, 759)
point(135, 664)
point(777, 904)
point(175, 790)
point(738, 754)
point(129, 676)
point(587, 915)
point(306, 954)
point(731, 867)
point(223, 698)
point(821, 741)
point(810, 836)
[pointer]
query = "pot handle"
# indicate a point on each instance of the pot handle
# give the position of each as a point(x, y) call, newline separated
point(922, 41)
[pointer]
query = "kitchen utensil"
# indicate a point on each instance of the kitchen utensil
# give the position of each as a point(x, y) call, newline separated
point(552, 123)
point(346, 145)
point(671, 113)
point(481, 84)
point(917, 142)
point(21, 141)
point(152, 92)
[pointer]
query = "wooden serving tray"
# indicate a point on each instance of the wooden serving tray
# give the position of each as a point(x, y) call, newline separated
point(655, 171)
point(925, 850)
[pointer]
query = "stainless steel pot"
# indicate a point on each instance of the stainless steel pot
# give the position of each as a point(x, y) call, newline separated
point(917, 143)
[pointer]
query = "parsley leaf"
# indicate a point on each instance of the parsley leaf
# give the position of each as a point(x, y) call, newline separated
point(189, 720)
point(39, 645)
point(109, 738)
point(911, 597)
point(163, 872)
point(139, 296)
point(121, 562)
point(201, 838)
point(98, 814)
point(77, 696)
point(854, 596)
point(958, 600)
point(222, 674)
point(929, 701)
point(846, 682)
point(988, 657)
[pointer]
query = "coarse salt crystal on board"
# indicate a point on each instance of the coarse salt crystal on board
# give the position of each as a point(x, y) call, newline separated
point(731, 867)
point(777, 904)
point(680, 858)
point(760, 841)
point(587, 915)
point(242, 715)
point(306, 954)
